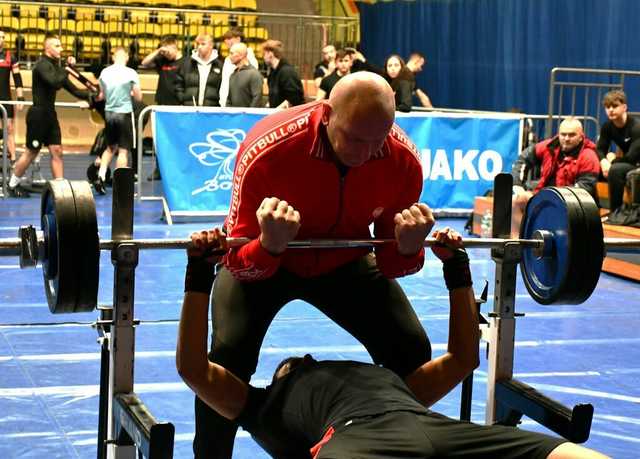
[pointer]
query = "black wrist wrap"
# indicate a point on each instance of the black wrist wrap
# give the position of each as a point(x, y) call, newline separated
point(199, 275)
point(17, 80)
point(456, 270)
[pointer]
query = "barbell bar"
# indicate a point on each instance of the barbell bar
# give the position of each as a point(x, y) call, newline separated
point(561, 240)
point(14, 246)
point(20, 246)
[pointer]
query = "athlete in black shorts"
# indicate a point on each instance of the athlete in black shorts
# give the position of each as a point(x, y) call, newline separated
point(346, 409)
point(118, 85)
point(42, 121)
point(9, 66)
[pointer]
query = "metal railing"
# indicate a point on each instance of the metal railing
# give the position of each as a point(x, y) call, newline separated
point(97, 27)
point(5, 152)
point(536, 126)
point(579, 91)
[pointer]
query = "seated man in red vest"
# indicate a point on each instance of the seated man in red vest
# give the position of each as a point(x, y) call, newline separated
point(568, 159)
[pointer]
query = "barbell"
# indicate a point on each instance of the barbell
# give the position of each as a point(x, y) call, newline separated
point(561, 239)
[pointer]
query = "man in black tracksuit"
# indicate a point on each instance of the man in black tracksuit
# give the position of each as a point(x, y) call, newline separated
point(42, 121)
point(198, 81)
point(624, 131)
point(346, 409)
point(285, 87)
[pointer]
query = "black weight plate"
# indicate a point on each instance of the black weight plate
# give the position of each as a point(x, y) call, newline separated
point(58, 215)
point(87, 247)
point(593, 248)
point(573, 289)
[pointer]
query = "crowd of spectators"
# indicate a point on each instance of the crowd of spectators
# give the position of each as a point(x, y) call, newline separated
point(206, 78)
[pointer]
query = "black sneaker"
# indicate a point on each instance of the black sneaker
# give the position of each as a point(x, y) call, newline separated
point(98, 185)
point(17, 192)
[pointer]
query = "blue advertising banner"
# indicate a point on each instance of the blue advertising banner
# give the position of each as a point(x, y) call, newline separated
point(197, 153)
point(460, 154)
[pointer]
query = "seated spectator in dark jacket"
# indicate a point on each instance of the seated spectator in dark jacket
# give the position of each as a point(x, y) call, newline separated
point(285, 87)
point(343, 67)
point(568, 159)
point(245, 83)
point(198, 81)
point(401, 80)
point(624, 131)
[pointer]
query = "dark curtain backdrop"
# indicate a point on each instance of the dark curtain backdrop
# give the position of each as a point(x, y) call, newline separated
point(498, 54)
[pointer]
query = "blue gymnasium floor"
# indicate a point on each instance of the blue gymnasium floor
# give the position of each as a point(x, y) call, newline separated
point(49, 365)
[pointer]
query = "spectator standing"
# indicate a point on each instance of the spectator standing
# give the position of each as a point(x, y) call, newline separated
point(285, 87)
point(10, 67)
point(198, 81)
point(415, 63)
point(326, 66)
point(167, 61)
point(232, 37)
point(245, 84)
point(401, 80)
point(343, 67)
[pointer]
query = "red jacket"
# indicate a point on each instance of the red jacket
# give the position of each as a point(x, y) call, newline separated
point(570, 168)
point(287, 155)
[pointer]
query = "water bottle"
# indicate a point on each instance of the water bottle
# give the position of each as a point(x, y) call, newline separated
point(485, 224)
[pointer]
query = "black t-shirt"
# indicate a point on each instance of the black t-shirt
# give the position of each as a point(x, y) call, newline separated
point(627, 138)
point(403, 90)
point(167, 71)
point(329, 82)
point(47, 77)
point(291, 415)
point(284, 84)
point(7, 63)
point(321, 70)
point(360, 66)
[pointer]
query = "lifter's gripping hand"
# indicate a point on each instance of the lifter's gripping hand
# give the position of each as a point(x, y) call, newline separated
point(206, 249)
point(412, 227)
point(279, 224)
point(455, 261)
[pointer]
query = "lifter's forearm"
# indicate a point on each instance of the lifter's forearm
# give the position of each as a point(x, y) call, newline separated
point(214, 384)
point(439, 376)
point(191, 352)
point(464, 329)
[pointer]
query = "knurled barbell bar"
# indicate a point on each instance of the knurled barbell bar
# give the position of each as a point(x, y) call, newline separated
point(561, 239)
